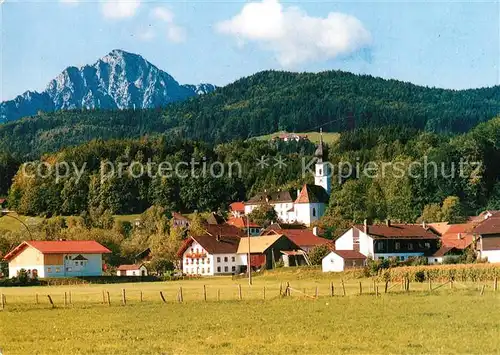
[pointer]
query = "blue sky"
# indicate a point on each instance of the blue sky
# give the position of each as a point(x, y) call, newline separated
point(448, 44)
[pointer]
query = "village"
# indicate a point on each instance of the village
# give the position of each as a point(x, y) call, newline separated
point(236, 245)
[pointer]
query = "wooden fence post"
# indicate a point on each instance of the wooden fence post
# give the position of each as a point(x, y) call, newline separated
point(408, 284)
point(205, 293)
point(430, 284)
point(141, 296)
point(376, 291)
point(482, 290)
point(332, 289)
point(181, 296)
point(264, 293)
point(109, 298)
point(360, 288)
point(317, 292)
point(403, 281)
point(65, 299)
point(343, 287)
point(163, 297)
point(218, 294)
point(70, 298)
point(36, 298)
point(103, 297)
point(374, 285)
point(495, 284)
point(281, 289)
point(2, 301)
point(50, 301)
point(288, 291)
point(240, 296)
point(386, 287)
point(124, 297)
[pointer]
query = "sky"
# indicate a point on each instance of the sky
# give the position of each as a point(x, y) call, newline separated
point(449, 44)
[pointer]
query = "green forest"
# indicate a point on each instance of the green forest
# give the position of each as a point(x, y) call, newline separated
point(264, 103)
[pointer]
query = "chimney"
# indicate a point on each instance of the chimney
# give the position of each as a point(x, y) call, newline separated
point(459, 236)
point(365, 229)
point(316, 231)
point(388, 222)
point(217, 237)
point(424, 225)
point(298, 192)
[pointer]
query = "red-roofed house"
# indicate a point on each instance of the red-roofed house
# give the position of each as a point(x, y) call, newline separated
point(179, 220)
point(380, 241)
point(3, 203)
point(489, 238)
point(339, 260)
point(304, 238)
point(67, 258)
point(132, 270)
point(245, 225)
point(237, 209)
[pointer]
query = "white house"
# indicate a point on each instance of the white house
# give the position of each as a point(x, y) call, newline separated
point(340, 260)
point(308, 205)
point(213, 253)
point(178, 220)
point(132, 270)
point(68, 258)
point(489, 237)
point(380, 241)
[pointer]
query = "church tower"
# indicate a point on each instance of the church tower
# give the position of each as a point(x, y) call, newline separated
point(322, 176)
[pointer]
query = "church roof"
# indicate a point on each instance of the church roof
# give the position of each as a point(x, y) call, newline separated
point(312, 194)
point(271, 197)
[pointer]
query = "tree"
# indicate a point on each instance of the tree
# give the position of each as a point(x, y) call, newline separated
point(317, 254)
point(264, 215)
point(432, 213)
point(452, 210)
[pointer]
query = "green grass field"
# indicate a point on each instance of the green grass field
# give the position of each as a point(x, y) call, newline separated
point(446, 321)
point(328, 137)
point(13, 225)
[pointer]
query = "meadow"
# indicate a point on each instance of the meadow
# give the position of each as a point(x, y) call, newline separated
point(328, 137)
point(445, 321)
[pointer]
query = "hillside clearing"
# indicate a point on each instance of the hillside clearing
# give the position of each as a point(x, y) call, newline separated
point(328, 137)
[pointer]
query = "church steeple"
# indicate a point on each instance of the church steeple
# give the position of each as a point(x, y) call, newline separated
point(322, 176)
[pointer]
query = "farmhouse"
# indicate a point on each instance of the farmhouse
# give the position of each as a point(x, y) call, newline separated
point(266, 251)
point(132, 270)
point(179, 220)
point(340, 260)
point(212, 253)
point(489, 238)
point(308, 205)
point(400, 241)
point(57, 258)
point(304, 238)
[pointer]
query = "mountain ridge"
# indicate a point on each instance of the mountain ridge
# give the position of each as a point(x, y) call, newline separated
point(119, 80)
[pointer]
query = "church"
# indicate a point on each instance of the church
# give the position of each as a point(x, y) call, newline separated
point(305, 206)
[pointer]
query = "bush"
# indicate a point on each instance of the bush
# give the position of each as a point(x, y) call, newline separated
point(317, 254)
point(458, 272)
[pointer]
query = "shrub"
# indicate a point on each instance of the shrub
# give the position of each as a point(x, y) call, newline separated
point(317, 254)
point(458, 272)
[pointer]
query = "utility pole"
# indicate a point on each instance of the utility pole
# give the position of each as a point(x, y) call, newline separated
point(249, 263)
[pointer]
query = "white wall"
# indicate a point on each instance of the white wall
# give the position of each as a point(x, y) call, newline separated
point(332, 263)
point(434, 259)
point(492, 255)
point(210, 267)
point(13, 270)
point(345, 241)
point(401, 256)
point(137, 272)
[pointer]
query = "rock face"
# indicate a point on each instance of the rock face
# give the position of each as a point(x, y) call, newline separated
point(119, 80)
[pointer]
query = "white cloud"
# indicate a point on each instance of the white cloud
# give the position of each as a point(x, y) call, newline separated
point(118, 9)
point(176, 33)
point(162, 13)
point(146, 34)
point(294, 36)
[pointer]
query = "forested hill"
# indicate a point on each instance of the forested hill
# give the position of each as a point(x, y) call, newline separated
point(263, 103)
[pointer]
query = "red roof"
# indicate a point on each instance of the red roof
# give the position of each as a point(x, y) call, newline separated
point(458, 236)
point(129, 267)
point(237, 207)
point(2, 200)
point(349, 254)
point(60, 247)
point(312, 194)
point(398, 231)
point(241, 222)
point(301, 237)
point(489, 226)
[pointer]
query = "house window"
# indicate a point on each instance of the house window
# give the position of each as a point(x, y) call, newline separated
point(226, 269)
point(225, 259)
point(320, 171)
point(208, 270)
point(314, 212)
point(49, 269)
point(354, 263)
point(218, 268)
point(233, 259)
point(380, 246)
point(133, 273)
point(397, 245)
point(233, 268)
point(435, 260)
point(203, 270)
point(427, 245)
point(203, 261)
point(218, 259)
point(410, 246)
point(58, 270)
point(68, 269)
point(208, 260)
